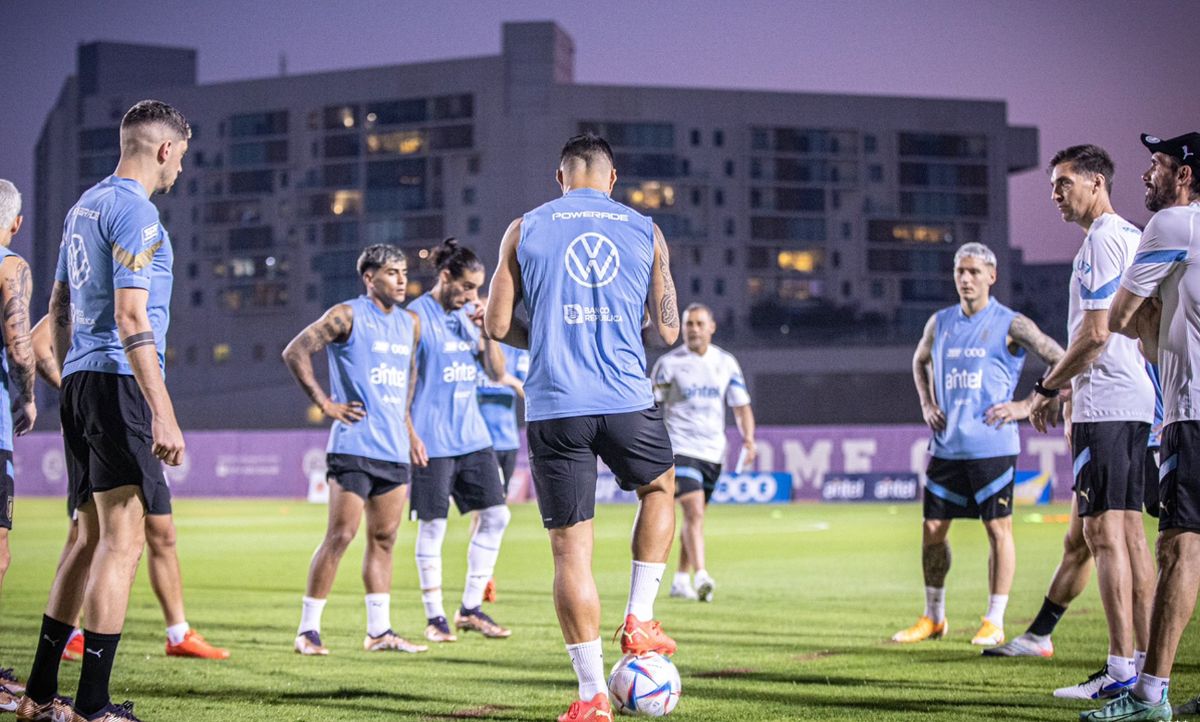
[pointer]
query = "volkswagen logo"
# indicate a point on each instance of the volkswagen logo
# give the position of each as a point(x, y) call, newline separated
point(592, 260)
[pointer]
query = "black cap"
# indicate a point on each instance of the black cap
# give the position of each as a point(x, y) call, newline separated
point(1184, 148)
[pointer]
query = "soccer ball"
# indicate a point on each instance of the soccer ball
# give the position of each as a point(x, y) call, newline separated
point(647, 685)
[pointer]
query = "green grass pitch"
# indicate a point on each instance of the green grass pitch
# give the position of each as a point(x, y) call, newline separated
point(807, 597)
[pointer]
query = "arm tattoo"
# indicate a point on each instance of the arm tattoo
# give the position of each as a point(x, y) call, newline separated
point(1026, 334)
point(60, 306)
point(668, 308)
point(137, 340)
point(19, 287)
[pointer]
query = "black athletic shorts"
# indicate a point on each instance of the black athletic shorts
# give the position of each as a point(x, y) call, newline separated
point(970, 488)
point(1179, 477)
point(1110, 465)
point(108, 441)
point(508, 462)
point(692, 474)
point(1150, 493)
point(562, 459)
point(472, 479)
point(365, 477)
point(7, 488)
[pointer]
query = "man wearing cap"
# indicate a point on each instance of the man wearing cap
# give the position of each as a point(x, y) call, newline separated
point(1159, 304)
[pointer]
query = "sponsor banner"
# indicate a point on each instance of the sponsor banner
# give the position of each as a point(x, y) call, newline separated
point(753, 487)
point(279, 463)
point(879, 487)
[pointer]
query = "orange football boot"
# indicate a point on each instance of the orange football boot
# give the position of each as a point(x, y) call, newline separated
point(489, 592)
point(73, 652)
point(595, 709)
point(640, 638)
point(194, 645)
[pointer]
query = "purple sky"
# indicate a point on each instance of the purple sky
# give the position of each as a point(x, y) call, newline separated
point(1094, 72)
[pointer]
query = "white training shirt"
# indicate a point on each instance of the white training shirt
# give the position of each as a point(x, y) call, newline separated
point(1167, 265)
point(1114, 387)
point(693, 391)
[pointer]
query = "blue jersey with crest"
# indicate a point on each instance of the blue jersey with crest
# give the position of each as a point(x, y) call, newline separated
point(6, 421)
point(371, 367)
point(445, 412)
point(973, 370)
point(498, 403)
point(585, 270)
point(112, 239)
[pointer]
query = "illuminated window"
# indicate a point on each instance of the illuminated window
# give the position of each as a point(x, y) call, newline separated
point(402, 142)
point(341, 116)
point(799, 261)
point(414, 289)
point(221, 353)
point(651, 194)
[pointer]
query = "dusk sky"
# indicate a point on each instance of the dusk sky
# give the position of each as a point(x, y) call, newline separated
point(1082, 72)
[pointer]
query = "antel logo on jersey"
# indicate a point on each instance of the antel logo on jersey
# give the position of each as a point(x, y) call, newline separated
point(704, 392)
point(459, 372)
point(455, 346)
point(388, 375)
point(592, 260)
point(961, 379)
point(401, 349)
point(79, 268)
point(970, 352)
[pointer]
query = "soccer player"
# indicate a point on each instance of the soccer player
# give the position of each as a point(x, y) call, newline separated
point(163, 563)
point(369, 343)
point(17, 413)
point(587, 394)
point(1159, 303)
point(110, 307)
point(693, 383)
point(498, 404)
point(1112, 407)
point(452, 438)
point(966, 368)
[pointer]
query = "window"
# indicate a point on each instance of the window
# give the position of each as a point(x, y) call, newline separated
point(336, 204)
point(400, 142)
point(943, 204)
point(943, 146)
point(189, 355)
point(193, 270)
point(258, 153)
point(252, 181)
point(790, 229)
point(695, 137)
point(719, 197)
point(451, 137)
point(837, 259)
point(719, 286)
point(942, 174)
point(647, 194)
point(695, 286)
point(473, 165)
point(718, 138)
point(340, 117)
point(337, 234)
point(473, 225)
point(730, 227)
point(647, 165)
point(847, 230)
point(729, 169)
point(451, 107)
point(633, 135)
point(877, 289)
point(799, 199)
point(197, 298)
point(394, 112)
point(468, 196)
point(909, 233)
point(239, 211)
point(697, 255)
point(221, 353)
point(875, 173)
point(251, 124)
point(730, 257)
point(259, 352)
point(245, 239)
point(401, 230)
point(847, 289)
point(869, 143)
point(800, 261)
point(342, 175)
point(341, 146)
point(97, 165)
point(696, 197)
point(93, 139)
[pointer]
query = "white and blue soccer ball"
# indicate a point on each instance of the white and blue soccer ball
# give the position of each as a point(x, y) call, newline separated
point(647, 685)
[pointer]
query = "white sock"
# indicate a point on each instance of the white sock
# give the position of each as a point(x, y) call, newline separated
point(1139, 662)
point(588, 660)
point(1120, 668)
point(644, 581)
point(935, 604)
point(310, 616)
point(682, 579)
point(997, 603)
point(176, 632)
point(379, 613)
point(701, 573)
point(433, 603)
point(430, 535)
point(1151, 689)
point(483, 552)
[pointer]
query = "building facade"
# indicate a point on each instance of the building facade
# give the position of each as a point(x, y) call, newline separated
point(805, 221)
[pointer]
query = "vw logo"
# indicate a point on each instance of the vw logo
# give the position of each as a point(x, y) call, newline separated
point(592, 260)
point(79, 268)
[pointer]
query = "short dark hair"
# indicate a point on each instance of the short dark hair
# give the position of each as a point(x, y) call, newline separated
point(1090, 159)
point(377, 256)
point(145, 112)
point(455, 258)
point(587, 147)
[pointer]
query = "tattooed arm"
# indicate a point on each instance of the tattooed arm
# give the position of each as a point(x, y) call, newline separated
point(16, 287)
point(417, 453)
point(500, 321)
point(43, 352)
point(934, 417)
point(60, 321)
point(1039, 409)
point(333, 327)
point(663, 305)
